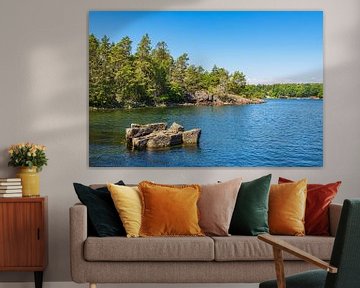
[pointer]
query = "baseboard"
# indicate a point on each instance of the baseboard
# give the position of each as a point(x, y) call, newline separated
point(74, 285)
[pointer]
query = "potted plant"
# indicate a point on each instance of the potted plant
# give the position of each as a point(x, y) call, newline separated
point(30, 158)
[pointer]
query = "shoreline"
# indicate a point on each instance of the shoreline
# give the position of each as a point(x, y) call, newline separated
point(172, 105)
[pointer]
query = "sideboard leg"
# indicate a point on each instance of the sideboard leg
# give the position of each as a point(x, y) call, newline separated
point(92, 285)
point(38, 279)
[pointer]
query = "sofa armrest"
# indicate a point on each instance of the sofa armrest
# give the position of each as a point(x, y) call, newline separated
point(78, 235)
point(334, 216)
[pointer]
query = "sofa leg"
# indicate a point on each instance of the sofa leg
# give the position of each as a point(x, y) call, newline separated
point(92, 285)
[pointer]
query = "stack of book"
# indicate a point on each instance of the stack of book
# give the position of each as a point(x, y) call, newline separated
point(10, 187)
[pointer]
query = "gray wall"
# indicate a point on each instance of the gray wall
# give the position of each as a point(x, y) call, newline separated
point(43, 88)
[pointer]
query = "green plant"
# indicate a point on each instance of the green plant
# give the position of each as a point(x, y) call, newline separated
point(27, 155)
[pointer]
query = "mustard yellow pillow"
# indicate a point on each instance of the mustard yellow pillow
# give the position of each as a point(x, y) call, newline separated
point(287, 204)
point(169, 210)
point(127, 201)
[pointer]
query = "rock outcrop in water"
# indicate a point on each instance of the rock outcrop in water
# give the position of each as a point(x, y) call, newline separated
point(205, 98)
point(157, 135)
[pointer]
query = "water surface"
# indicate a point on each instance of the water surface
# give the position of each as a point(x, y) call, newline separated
point(283, 133)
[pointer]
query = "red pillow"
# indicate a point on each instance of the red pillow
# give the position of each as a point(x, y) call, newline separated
point(319, 197)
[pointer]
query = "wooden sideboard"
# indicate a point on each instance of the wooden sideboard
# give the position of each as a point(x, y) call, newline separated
point(23, 235)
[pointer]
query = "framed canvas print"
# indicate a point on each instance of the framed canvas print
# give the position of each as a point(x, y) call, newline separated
point(205, 88)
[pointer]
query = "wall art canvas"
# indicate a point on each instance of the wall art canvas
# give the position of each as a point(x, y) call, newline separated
point(205, 88)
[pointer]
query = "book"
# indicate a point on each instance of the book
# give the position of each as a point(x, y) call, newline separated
point(10, 195)
point(10, 183)
point(10, 191)
point(9, 187)
point(10, 180)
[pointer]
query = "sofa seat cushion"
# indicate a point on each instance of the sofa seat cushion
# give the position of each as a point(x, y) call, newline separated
point(149, 249)
point(245, 248)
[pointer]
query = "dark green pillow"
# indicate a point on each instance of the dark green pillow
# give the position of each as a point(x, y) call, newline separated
point(250, 216)
point(103, 218)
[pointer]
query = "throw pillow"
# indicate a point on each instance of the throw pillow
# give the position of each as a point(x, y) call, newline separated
point(102, 215)
point(127, 201)
point(216, 206)
point(250, 215)
point(319, 197)
point(287, 204)
point(169, 210)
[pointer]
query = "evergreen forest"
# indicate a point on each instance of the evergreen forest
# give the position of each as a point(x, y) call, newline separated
point(151, 76)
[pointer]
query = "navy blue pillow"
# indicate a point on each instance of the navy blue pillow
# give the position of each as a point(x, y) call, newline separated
point(103, 218)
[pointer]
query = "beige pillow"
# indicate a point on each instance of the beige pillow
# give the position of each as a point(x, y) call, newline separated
point(216, 206)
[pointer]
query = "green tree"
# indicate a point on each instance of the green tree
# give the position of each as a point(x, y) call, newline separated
point(144, 74)
point(218, 80)
point(178, 70)
point(121, 61)
point(101, 78)
point(162, 62)
point(236, 82)
point(194, 79)
point(94, 66)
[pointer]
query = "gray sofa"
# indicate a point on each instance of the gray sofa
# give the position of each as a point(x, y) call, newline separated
point(234, 259)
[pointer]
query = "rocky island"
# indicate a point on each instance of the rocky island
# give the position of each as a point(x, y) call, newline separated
point(204, 98)
point(157, 136)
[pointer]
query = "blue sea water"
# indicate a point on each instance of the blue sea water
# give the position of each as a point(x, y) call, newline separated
point(278, 133)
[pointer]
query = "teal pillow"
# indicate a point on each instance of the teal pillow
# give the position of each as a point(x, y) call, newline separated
point(250, 216)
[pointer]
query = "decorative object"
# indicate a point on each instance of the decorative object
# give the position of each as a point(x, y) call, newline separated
point(30, 158)
point(10, 187)
point(250, 215)
point(23, 236)
point(127, 201)
point(318, 199)
point(287, 204)
point(169, 210)
point(246, 85)
point(216, 206)
point(102, 216)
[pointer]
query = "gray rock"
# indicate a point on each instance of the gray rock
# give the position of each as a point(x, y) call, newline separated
point(140, 143)
point(190, 98)
point(155, 136)
point(175, 127)
point(162, 140)
point(137, 130)
point(191, 136)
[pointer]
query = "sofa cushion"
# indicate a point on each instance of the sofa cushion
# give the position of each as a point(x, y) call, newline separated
point(318, 199)
point(149, 249)
point(287, 204)
point(127, 201)
point(244, 248)
point(216, 205)
point(169, 210)
point(250, 215)
point(102, 216)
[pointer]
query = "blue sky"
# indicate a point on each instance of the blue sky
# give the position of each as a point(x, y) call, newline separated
point(268, 46)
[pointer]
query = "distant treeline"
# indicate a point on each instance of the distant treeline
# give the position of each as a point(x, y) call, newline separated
point(151, 76)
point(290, 90)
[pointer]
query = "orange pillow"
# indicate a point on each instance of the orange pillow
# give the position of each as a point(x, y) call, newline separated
point(318, 200)
point(169, 210)
point(287, 204)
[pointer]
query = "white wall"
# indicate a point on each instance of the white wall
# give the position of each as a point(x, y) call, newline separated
point(43, 88)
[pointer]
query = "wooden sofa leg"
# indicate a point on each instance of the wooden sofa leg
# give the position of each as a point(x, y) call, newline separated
point(92, 285)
